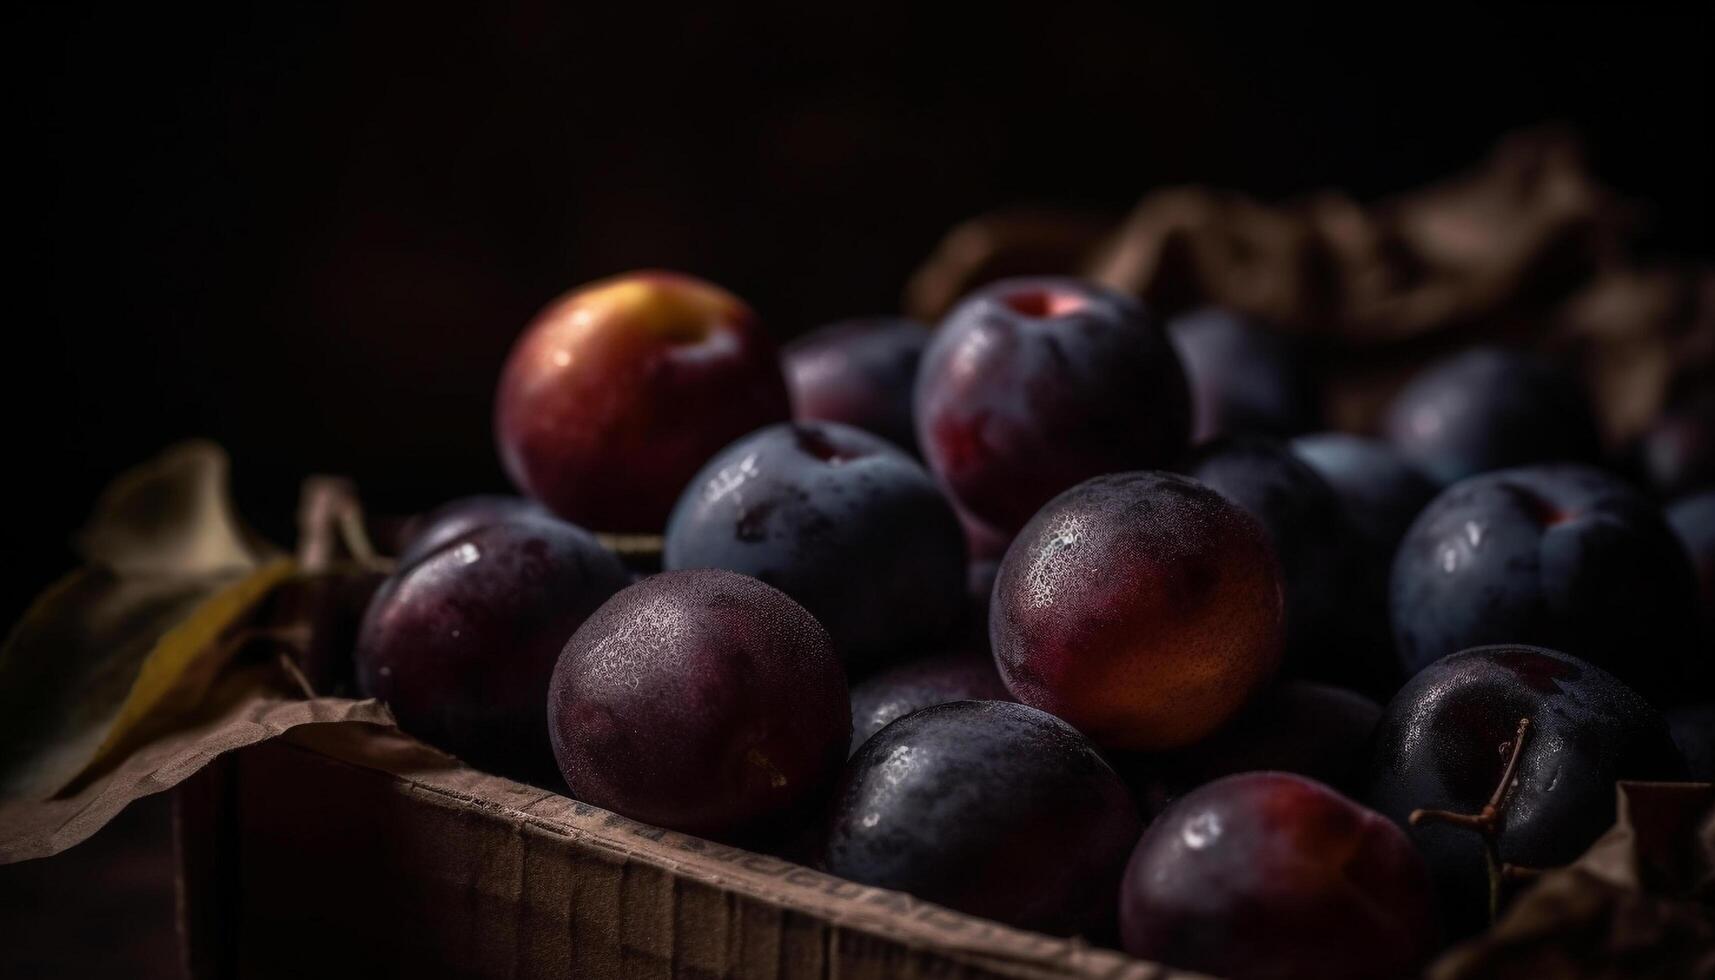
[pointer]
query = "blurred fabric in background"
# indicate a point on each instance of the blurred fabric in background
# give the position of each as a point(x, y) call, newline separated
point(312, 234)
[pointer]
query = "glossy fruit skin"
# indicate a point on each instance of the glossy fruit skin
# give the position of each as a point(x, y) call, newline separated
point(702, 701)
point(991, 808)
point(1562, 556)
point(1144, 608)
point(1245, 378)
point(1331, 633)
point(956, 675)
point(1032, 385)
point(429, 531)
point(461, 643)
point(1444, 741)
point(1380, 491)
point(618, 391)
point(1268, 875)
point(842, 521)
point(1488, 409)
point(1693, 522)
point(1314, 730)
point(858, 372)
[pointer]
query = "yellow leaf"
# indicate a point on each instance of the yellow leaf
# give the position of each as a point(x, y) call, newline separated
point(185, 660)
point(137, 632)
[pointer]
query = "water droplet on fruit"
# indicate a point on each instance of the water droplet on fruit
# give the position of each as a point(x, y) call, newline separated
point(1474, 533)
point(467, 554)
point(730, 478)
point(1201, 831)
point(967, 358)
point(1052, 562)
point(898, 764)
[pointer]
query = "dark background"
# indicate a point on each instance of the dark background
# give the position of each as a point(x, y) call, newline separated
point(312, 234)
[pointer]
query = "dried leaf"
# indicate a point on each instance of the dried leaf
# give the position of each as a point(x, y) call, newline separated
point(185, 661)
point(170, 569)
point(171, 516)
point(1630, 907)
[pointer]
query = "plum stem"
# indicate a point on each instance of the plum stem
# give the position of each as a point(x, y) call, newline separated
point(1487, 823)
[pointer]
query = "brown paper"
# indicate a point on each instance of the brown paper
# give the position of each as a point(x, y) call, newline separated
point(246, 707)
point(1528, 249)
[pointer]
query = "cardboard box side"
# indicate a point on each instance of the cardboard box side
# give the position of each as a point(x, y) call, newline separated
point(362, 847)
point(204, 843)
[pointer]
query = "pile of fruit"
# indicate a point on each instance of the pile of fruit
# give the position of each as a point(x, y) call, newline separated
point(1066, 616)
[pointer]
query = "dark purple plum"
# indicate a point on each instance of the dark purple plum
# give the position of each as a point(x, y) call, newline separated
point(959, 675)
point(429, 531)
point(1380, 494)
point(1269, 875)
point(1693, 522)
point(991, 808)
point(1489, 409)
point(1301, 727)
point(703, 701)
point(1332, 633)
point(1245, 377)
point(1563, 556)
point(1031, 386)
point(1693, 728)
point(842, 521)
point(1445, 741)
point(858, 372)
point(461, 643)
point(1676, 455)
point(1379, 490)
point(1144, 608)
